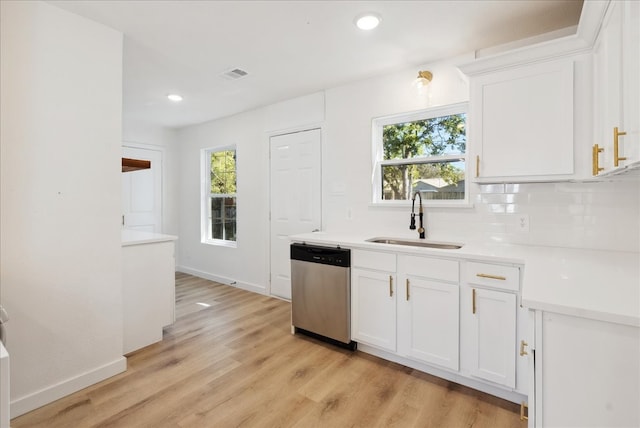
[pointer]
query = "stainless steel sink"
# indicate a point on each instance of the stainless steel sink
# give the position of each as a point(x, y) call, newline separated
point(412, 243)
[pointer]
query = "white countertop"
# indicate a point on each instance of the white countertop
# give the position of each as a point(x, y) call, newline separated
point(137, 237)
point(600, 285)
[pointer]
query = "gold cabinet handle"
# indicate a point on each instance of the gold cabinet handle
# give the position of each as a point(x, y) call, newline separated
point(473, 300)
point(523, 406)
point(523, 344)
point(616, 157)
point(486, 275)
point(408, 295)
point(390, 286)
point(596, 161)
point(477, 166)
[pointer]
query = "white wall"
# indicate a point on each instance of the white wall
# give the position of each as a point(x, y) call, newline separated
point(596, 215)
point(247, 263)
point(347, 146)
point(60, 258)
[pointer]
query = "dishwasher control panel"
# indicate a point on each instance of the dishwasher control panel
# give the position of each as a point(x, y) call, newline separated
point(323, 255)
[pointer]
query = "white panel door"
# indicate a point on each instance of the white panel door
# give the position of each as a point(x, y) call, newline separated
point(295, 199)
point(142, 192)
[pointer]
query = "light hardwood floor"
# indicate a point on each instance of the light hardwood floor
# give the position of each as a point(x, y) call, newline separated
point(230, 361)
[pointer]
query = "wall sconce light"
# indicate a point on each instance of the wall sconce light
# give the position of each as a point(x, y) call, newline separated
point(424, 78)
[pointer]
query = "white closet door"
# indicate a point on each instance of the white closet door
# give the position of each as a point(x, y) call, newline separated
point(295, 199)
point(142, 192)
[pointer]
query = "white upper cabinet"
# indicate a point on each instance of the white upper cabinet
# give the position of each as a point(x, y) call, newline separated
point(522, 122)
point(616, 89)
point(631, 80)
point(538, 111)
point(564, 109)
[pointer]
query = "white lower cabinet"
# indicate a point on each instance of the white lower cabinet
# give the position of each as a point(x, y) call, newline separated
point(493, 335)
point(586, 373)
point(428, 322)
point(459, 318)
point(148, 284)
point(428, 310)
point(489, 317)
point(373, 312)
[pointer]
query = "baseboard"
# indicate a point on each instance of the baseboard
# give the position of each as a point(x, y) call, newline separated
point(52, 393)
point(509, 395)
point(223, 280)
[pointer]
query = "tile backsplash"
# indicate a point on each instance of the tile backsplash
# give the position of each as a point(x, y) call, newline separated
point(603, 215)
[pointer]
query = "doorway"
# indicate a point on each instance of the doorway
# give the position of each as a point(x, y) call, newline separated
point(142, 192)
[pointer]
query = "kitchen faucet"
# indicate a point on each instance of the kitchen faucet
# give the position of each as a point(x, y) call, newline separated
point(412, 226)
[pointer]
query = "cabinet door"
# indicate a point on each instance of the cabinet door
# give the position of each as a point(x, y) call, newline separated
point(617, 85)
point(630, 143)
point(148, 278)
point(589, 373)
point(534, 374)
point(523, 121)
point(607, 83)
point(430, 321)
point(493, 339)
point(373, 310)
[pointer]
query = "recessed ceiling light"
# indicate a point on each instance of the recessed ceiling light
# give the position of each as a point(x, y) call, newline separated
point(175, 98)
point(368, 21)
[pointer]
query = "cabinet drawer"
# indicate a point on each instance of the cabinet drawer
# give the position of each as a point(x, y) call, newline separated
point(490, 275)
point(445, 270)
point(373, 260)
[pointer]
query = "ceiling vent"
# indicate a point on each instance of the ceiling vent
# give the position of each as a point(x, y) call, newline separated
point(234, 74)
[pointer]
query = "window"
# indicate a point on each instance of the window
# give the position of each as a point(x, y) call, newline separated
point(219, 196)
point(424, 152)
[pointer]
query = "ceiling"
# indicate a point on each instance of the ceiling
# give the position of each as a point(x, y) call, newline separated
point(292, 48)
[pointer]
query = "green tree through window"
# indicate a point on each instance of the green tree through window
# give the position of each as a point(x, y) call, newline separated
point(223, 172)
point(222, 196)
point(424, 155)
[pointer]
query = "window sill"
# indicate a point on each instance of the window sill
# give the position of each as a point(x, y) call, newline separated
point(220, 243)
point(426, 204)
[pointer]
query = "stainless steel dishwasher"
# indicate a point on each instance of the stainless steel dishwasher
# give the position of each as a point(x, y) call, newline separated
point(321, 293)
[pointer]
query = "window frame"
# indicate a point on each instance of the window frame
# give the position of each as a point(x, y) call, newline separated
point(206, 196)
point(378, 161)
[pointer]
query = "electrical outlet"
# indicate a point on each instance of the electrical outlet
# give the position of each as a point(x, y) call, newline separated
point(523, 223)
